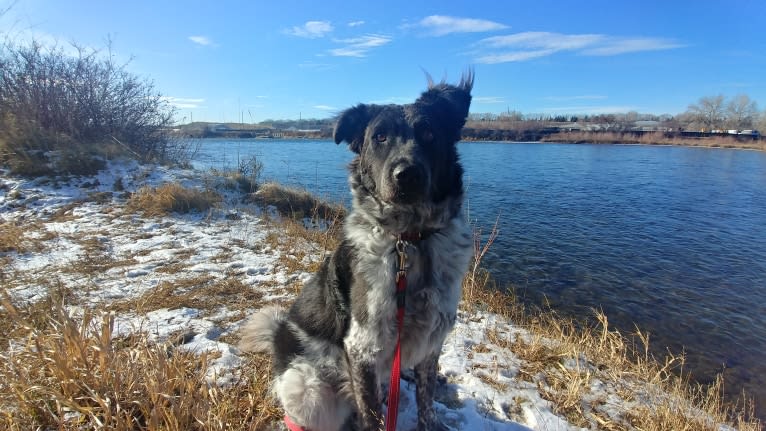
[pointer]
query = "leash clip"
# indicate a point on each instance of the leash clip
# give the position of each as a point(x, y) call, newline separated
point(401, 251)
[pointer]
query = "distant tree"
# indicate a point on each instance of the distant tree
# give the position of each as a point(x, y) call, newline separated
point(760, 125)
point(741, 112)
point(708, 111)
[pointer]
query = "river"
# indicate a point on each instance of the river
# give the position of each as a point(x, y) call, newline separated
point(669, 239)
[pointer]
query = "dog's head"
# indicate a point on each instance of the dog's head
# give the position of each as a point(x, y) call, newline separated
point(407, 153)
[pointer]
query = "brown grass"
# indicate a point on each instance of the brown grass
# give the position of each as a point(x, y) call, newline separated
point(73, 375)
point(96, 258)
point(203, 292)
point(656, 138)
point(172, 197)
point(15, 237)
point(308, 229)
point(297, 204)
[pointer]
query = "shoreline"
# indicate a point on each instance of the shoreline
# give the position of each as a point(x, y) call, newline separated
point(724, 142)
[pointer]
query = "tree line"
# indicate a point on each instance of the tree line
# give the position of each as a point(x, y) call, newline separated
point(708, 114)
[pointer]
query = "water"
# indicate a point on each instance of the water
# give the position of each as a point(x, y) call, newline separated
point(669, 239)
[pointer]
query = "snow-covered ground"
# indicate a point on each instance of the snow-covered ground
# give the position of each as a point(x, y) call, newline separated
point(482, 392)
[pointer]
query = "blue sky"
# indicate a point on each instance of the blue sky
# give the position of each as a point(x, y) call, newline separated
point(219, 61)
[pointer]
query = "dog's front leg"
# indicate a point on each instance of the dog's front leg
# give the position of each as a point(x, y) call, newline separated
point(366, 394)
point(425, 379)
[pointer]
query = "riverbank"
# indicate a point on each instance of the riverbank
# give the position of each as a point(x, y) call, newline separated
point(123, 293)
point(615, 138)
point(656, 138)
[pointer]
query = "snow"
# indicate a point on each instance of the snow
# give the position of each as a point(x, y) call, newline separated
point(230, 242)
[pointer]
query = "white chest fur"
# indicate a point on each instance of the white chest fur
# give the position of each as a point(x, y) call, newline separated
point(435, 269)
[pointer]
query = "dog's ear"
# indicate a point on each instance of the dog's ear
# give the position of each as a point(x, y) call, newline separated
point(351, 125)
point(448, 104)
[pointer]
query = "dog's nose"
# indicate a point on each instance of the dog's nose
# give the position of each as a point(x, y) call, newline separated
point(408, 176)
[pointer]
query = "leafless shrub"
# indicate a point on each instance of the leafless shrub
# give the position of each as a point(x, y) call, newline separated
point(52, 101)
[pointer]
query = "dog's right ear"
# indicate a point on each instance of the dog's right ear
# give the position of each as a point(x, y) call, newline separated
point(351, 125)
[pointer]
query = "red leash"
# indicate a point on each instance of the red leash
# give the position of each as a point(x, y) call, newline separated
point(401, 287)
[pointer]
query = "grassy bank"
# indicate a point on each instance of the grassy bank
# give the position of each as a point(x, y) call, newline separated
point(165, 250)
point(658, 138)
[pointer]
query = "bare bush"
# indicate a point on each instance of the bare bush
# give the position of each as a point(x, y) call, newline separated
point(51, 100)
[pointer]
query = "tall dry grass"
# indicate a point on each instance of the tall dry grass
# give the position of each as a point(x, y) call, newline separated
point(172, 197)
point(307, 227)
point(296, 203)
point(72, 373)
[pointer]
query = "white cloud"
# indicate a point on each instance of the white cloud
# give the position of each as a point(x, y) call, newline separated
point(183, 102)
point(359, 46)
point(311, 29)
point(325, 107)
point(508, 57)
point(440, 25)
point(529, 45)
point(202, 40)
point(542, 40)
point(355, 23)
point(489, 99)
point(623, 46)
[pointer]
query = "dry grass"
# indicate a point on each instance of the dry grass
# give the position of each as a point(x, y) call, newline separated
point(202, 292)
point(16, 320)
point(564, 358)
point(308, 229)
point(297, 204)
point(172, 197)
point(11, 237)
point(96, 258)
point(71, 374)
point(15, 237)
point(657, 138)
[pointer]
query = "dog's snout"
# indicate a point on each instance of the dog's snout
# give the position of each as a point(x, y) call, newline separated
point(408, 176)
point(409, 182)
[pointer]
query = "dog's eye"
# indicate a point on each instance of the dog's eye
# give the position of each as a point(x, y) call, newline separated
point(380, 138)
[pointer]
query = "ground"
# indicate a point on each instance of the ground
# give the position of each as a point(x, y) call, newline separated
point(190, 279)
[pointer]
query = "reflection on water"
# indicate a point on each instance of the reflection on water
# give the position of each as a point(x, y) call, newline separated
point(670, 239)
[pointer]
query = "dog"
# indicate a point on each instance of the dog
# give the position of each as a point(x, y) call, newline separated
point(333, 349)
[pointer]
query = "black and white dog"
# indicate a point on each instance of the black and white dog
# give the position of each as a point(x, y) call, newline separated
point(334, 347)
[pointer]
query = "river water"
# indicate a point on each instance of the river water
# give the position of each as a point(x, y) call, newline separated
point(671, 240)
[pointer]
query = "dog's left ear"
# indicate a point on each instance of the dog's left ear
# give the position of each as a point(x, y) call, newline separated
point(449, 103)
point(352, 123)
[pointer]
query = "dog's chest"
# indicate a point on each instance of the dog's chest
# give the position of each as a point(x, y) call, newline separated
point(434, 272)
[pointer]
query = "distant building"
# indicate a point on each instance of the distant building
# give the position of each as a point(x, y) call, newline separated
point(220, 128)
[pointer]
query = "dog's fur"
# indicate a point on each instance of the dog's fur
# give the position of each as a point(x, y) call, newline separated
point(334, 348)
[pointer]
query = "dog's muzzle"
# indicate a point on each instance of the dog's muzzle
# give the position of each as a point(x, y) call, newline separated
point(410, 182)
